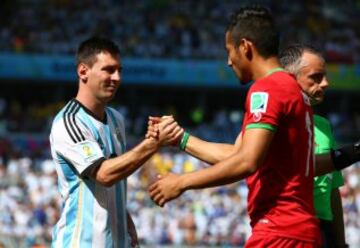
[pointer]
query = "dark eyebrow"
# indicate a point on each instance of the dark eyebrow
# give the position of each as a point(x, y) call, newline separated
point(112, 67)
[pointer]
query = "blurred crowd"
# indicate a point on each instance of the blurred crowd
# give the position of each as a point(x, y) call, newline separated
point(171, 28)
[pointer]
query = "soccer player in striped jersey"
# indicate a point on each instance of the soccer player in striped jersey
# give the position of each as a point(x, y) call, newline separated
point(88, 145)
point(308, 65)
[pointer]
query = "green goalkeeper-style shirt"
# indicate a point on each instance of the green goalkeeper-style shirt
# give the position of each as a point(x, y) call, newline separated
point(323, 185)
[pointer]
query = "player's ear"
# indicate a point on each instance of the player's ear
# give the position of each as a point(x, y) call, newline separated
point(82, 71)
point(246, 47)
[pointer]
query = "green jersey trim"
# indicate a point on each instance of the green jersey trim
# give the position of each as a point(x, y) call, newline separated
point(262, 126)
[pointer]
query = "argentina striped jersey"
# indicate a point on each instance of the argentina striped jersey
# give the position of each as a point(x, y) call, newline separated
point(92, 215)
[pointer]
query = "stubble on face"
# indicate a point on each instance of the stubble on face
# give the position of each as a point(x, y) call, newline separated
point(105, 77)
point(312, 77)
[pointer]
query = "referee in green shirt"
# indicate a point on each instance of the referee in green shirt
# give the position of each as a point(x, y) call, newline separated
point(308, 66)
point(327, 200)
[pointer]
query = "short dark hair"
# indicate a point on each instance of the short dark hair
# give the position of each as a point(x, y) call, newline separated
point(256, 24)
point(290, 56)
point(91, 47)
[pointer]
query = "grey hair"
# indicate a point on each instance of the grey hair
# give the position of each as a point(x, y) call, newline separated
point(290, 57)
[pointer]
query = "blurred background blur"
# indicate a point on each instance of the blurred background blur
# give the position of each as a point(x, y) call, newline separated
point(174, 63)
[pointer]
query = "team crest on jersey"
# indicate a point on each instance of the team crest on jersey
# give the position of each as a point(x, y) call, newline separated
point(258, 102)
point(87, 150)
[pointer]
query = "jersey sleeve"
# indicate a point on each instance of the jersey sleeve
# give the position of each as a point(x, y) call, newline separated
point(263, 108)
point(74, 142)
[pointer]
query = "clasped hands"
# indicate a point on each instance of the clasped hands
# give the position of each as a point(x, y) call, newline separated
point(166, 132)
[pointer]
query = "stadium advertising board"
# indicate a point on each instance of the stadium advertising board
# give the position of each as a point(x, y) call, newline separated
point(152, 71)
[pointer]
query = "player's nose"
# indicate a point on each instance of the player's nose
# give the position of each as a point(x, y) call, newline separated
point(229, 62)
point(324, 83)
point(116, 76)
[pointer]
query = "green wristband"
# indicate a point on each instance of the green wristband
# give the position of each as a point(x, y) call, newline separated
point(184, 141)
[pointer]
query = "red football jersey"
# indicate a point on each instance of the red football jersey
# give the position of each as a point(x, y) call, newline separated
point(280, 199)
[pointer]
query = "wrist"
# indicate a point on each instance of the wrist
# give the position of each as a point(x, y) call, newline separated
point(184, 141)
point(151, 144)
point(345, 156)
point(183, 184)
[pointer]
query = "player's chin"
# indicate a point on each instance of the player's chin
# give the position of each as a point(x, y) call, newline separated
point(108, 96)
point(317, 100)
point(245, 80)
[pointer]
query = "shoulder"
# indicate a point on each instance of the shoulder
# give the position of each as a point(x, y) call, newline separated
point(68, 123)
point(280, 87)
point(276, 83)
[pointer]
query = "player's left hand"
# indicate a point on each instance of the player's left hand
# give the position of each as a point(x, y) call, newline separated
point(165, 189)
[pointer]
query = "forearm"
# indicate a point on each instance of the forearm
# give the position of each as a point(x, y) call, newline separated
point(338, 221)
point(323, 164)
point(209, 152)
point(337, 159)
point(228, 171)
point(118, 168)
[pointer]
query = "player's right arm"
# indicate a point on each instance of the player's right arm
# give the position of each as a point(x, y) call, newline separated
point(114, 169)
point(73, 144)
point(209, 152)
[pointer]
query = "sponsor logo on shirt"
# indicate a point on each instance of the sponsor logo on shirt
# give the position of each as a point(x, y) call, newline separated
point(258, 102)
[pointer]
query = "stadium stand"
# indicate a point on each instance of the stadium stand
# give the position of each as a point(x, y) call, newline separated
point(171, 29)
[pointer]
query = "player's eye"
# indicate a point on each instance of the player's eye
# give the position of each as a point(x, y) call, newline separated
point(317, 77)
point(109, 69)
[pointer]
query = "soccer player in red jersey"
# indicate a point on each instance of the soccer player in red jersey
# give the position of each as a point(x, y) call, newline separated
point(274, 152)
point(277, 133)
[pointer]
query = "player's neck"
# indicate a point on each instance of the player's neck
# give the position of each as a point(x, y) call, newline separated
point(264, 67)
point(92, 104)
